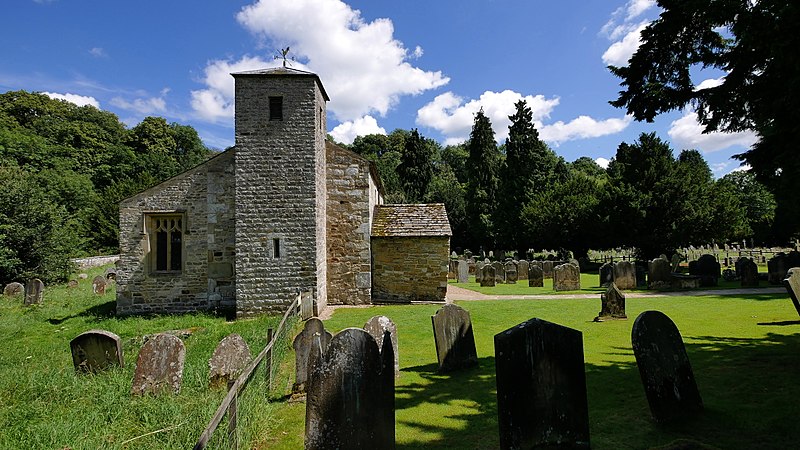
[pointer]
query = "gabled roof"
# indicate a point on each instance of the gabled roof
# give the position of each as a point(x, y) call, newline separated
point(283, 72)
point(405, 220)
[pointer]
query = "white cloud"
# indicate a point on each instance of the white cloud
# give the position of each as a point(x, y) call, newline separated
point(686, 132)
point(347, 132)
point(98, 52)
point(80, 100)
point(602, 162)
point(624, 30)
point(583, 127)
point(143, 106)
point(621, 51)
point(709, 83)
point(636, 8)
point(215, 102)
point(364, 68)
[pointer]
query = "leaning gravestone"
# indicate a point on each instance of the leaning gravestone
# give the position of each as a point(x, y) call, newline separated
point(566, 277)
point(659, 274)
point(159, 366)
point(612, 305)
point(377, 327)
point(34, 292)
point(510, 269)
point(748, 272)
point(499, 272)
point(308, 345)
point(350, 401)
point(522, 269)
point(606, 274)
point(667, 376)
point(455, 342)
point(625, 275)
point(228, 360)
point(14, 289)
point(535, 276)
point(541, 387)
point(792, 284)
point(99, 285)
point(708, 269)
point(487, 276)
point(463, 271)
point(96, 350)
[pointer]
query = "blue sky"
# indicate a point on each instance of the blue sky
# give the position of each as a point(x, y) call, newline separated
point(385, 64)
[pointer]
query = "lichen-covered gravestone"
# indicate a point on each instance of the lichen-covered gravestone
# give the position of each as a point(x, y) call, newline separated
point(499, 272)
point(541, 387)
point(667, 376)
point(308, 345)
point(510, 269)
point(455, 342)
point(96, 350)
point(159, 367)
point(535, 276)
point(522, 269)
point(547, 269)
point(487, 277)
point(350, 400)
point(659, 274)
point(228, 360)
point(792, 284)
point(463, 271)
point(612, 304)
point(99, 285)
point(13, 289)
point(624, 275)
point(566, 277)
point(606, 274)
point(377, 327)
point(34, 292)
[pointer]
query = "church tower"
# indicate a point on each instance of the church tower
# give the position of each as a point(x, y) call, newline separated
point(280, 189)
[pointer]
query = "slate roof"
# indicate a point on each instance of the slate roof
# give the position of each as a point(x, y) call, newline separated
point(405, 220)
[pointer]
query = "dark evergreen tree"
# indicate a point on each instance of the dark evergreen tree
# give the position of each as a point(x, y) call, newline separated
point(416, 167)
point(483, 166)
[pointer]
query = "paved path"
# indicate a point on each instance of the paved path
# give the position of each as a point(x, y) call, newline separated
point(459, 293)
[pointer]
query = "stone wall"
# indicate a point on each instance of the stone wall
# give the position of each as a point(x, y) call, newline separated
point(280, 191)
point(204, 195)
point(409, 268)
point(352, 195)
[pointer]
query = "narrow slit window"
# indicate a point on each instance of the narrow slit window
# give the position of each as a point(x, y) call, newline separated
point(276, 108)
point(276, 248)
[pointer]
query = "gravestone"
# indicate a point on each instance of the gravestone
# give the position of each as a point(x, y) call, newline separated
point(510, 270)
point(792, 284)
point(377, 327)
point(667, 376)
point(499, 272)
point(96, 350)
point(658, 274)
point(624, 275)
point(83, 276)
point(110, 274)
point(547, 269)
point(612, 304)
point(606, 274)
point(566, 277)
point(535, 276)
point(72, 284)
point(641, 274)
point(350, 400)
point(522, 269)
point(708, 269)
point(777, 268)
point(159, 367)
point(34, 292)
point(99, 285)
point(309, 344)
point(13, 289)
point(541, 387)
point(452, 269)
point(228, 360)
point(479, 271)
point(747, 270)
point(463, 271)
point(675, 262)
point(487, 276)
point(453, 337)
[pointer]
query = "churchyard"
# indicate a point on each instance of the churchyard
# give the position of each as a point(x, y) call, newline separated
point(741, 348)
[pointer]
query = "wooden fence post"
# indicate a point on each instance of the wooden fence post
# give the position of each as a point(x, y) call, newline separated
point(233, 441)
point(270, 336)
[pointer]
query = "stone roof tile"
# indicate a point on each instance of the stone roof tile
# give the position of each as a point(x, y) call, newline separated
point(411, 220)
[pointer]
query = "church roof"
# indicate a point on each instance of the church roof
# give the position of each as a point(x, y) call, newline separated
point(283, 71)
point(405, 220)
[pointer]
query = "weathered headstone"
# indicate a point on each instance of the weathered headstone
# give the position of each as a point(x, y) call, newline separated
point(547, 269)
point(777, 268)
point(658, 274)
point(463, 271)
point(708, 269)
point(309, 344)
point(522, 269)
point(34, 292)
point(624, 275)
point(664, 367)
point(159, 366)
point(606, 274)
point(510, 269)
point(641, 275)
point(499, 272)
point(612, 304)
point(350, 400)
point(792, 284)
point(675, 262)
point(228, 360)
point(535, 276)
point(455, 342)
point(377, 327)
point(83, 276)
point(487, 276)
point(479, 271)
point(541, 387)
point(96, 350)
point(72, 284)
point(748, 272)
point(99, 285)
point(452, 269)
point(110, 274)
point(566, 277)
point(13, 289)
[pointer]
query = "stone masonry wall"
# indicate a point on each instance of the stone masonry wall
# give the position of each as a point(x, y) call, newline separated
point(205, 196)
point(280, 193)
point(409, 268)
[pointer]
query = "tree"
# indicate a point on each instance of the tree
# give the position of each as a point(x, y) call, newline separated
point(483, 166)
point(386, 152)
point(416, 167)
point(756, 201)
point(755, 44)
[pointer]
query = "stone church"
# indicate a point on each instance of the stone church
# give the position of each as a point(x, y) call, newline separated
point(282, 212)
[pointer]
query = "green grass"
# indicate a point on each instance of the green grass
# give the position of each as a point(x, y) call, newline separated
point(44, 404)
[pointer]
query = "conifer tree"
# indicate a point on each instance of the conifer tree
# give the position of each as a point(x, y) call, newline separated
point(482, 172)
point(416, 167)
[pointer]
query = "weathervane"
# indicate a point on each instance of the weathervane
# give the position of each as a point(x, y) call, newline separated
point(283, 53)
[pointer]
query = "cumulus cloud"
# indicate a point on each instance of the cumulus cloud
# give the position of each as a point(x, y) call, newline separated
point(583, 127)
point(215, 102)
point(602, 162)
point(142, 106)
point(364, 68)
point(686, 132)
point(709, 83)
point(624, 30)
point(347, 132)
point(80, 100)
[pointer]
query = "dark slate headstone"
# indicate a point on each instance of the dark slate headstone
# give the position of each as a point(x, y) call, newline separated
point(658, 274)
point(34, 292)
point(625, 275)
point(708, 269)
point(463, 271)
point(792, 284)
point(99, 285)
point(510, 269)
point(747, 270)
point(664, 367)
point(612, 304)
point(228, 360)
point(350, 400)
point(308, 345)
point(159, 367)
point(535, 276)
point(455, 342)
point(96, 350)
point(641, 275)
point(499, 272)
point(14, 289)
point(606, 274)
point(547, 269)
point(541, 387)
point(488, 276)
point(377, 327)
point(522, 270)
point(566, 277)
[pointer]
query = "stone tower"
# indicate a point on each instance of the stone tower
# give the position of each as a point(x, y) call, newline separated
point(280, 189)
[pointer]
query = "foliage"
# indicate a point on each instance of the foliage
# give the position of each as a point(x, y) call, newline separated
point(483, 165)
point(758, 203)
point(416, 166)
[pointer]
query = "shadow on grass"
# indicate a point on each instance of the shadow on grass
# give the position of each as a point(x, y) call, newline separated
point(108, 309)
